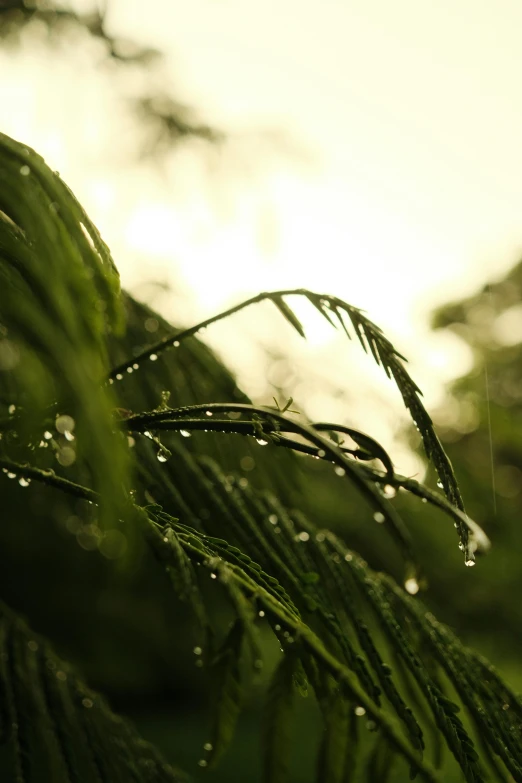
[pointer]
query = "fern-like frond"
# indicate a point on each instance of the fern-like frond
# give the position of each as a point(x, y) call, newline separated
point(59, 299)
point(386, 675)
point(371, 338)
point(58, 728)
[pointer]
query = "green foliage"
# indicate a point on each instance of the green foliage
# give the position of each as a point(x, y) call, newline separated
point(154, 478)
point(56, 725)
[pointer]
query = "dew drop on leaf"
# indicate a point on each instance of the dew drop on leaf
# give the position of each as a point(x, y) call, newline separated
point(262, 441)
point(161, 456)
point(153, 357)
point(379, 517)
point(185, 433)
point(470, 563)
point(64, 424)
point(360, 711)
point(411, 586)
point(339, 471)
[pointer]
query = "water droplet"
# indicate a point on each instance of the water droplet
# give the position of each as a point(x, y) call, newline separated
point(411, 586)
point(208, 746)
point(321, 453)
point(119, 376)
point(111, 381)
point(469, 563)
point(379, 517)
point(208, 413)
point(176, 343)
point(11, 475)
point(87, 703)
point(262, 441)
point(151, 324)
point(440, 484)
point(277, 627)
point(135, 366)
point(25, 171)
point(213, 576)
point(165, 540)
point(64, 424)
point(303, 536)
point(320, 537)
point(61, 676)
point(197, 650)
point(130, 370)
point(339, 471)
point(161, 456)
point(389, 491)
point(24, 482)
point(424, 500)
point(12, 409)
point(202, 763)
point(66, 456)
point(33, 646)
point(348, 557)
point(261, 613)
point(131, 442)
point(153, 357)
point(273, 519)
point(360, 711)
point(48, 435)
point(185, 433)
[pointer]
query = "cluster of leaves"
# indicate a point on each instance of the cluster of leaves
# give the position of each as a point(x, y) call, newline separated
point(105, 437)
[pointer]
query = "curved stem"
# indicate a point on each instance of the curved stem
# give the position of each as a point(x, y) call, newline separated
point(276, 421)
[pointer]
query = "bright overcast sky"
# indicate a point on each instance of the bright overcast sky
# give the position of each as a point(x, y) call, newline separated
point(404, 188)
